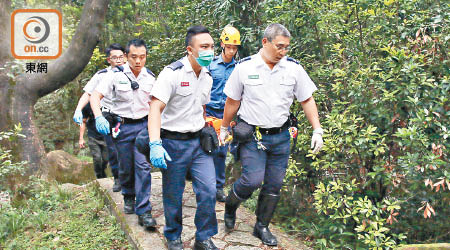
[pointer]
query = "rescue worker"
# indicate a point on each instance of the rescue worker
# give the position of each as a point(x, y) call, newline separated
point(177, 117)
point(97, 145)
point(221, 68)
point(129, 87)
point(260, 90)
point(115, 57)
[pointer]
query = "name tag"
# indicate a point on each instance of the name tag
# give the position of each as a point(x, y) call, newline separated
point(253, 76)
point(123, 82)
point(184, 84)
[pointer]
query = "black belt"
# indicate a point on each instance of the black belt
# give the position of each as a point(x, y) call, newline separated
point(130, 121)
point(272, 131)
point(214, 109)
point(178, 135)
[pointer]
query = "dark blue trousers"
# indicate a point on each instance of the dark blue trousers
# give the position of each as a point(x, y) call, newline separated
point(263, 167)
point(112, 156)
point(134, 170)
point(220, 154)
point(187, 155)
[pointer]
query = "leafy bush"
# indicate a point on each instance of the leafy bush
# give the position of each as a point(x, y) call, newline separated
point(11, 173)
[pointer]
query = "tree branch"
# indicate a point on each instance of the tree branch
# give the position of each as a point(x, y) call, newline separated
point(74, 59)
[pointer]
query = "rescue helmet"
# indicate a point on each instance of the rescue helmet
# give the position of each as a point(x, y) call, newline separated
point(230, 35)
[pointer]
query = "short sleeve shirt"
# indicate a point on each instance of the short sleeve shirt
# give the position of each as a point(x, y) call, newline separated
point(184, 95)
point(93, 83)
point(128, 103)
point(266, 94)
point(220, 71)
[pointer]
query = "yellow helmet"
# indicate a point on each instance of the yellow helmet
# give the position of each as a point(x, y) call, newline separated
point(230, 35)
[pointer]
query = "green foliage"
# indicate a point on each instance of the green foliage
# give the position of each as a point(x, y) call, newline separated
point(382, 71)
point(342, 203)
point(10, 171)
point(53, 218)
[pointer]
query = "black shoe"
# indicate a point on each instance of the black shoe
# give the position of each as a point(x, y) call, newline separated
point(175, 244)
point(205, 245)
point(232, 202)
point(264, 234)
point(220, 195)
point(264, 212)
point(146, 220)
point(128, 206)
point(116, 186)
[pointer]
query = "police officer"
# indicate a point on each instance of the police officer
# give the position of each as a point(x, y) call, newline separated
point(115, 57)
point(129, 87)
point(177, 117)
point(221, 68)
point(260, 90)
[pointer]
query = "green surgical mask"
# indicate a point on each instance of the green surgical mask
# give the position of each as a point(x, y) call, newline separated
point(205, 57)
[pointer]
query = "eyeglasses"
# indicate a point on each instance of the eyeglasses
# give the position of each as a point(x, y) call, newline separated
point(281, 47)
point(115, 58)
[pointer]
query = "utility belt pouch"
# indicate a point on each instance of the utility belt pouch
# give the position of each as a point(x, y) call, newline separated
point(112, 118)
point(242, 132)
point(208, 139)
point(114, 123)
point(293, 122)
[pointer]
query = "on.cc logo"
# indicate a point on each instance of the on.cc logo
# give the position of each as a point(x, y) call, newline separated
point(36, 34)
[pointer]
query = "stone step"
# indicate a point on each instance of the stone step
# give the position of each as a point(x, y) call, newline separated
point(239, 239)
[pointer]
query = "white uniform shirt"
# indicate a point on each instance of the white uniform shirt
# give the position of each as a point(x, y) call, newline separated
point(184, 95)
point(265, 94)
point(128, 103)
point(93, 83)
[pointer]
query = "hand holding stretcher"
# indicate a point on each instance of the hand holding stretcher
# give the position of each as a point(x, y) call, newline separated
point(216, 123)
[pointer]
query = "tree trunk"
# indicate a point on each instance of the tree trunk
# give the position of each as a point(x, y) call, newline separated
point(18, 94)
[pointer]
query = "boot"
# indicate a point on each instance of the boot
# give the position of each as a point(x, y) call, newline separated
point(264, 212)
point(205, 245)
point(116, 186)
point(128, 206)
point(146, 220)
point(232, 202)
point(175, 244)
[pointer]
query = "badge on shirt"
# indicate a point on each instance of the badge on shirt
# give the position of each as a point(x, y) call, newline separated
point(184, 84)
point(123, 82)
point(253, 76)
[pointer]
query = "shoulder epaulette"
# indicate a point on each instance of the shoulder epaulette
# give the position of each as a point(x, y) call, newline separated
point(102, 71)
point(175, 65)
point(245, 59)
point(150, 72)
point(118, 69)
point(290, 59)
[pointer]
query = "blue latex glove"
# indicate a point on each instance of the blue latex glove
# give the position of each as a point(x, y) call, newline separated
point(102, 125)
point(158, 155)
point(78, 117)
